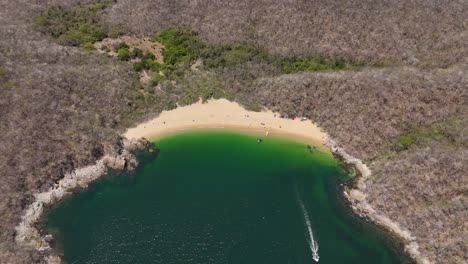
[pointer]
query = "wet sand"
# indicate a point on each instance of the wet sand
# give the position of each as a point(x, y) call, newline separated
point(223, 114)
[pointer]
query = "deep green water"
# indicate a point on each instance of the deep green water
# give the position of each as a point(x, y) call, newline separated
point(217, 197)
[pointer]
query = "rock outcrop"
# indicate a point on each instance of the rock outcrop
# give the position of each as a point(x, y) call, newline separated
point(27, 234)
point(361, 206)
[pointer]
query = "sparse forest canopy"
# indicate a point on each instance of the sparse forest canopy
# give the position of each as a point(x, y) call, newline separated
point(186, 47)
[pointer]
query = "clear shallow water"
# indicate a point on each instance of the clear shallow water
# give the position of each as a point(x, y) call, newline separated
point(217, 197)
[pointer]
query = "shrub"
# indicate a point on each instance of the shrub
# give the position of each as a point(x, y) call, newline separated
point(291, 66)
point(153, 65)
point(121, 45)
point(419, 135)
point(88, 46)
point(114, 32)
point(75, 26)
point(171, 105)
point(318, 62)
point(186, 47)
point(231, 55)
point(138, 66)
point(123, 54)
point(137, 53)
point(147, 62)
point(157, 78)
point(255, 107)
point(405, 141)
point(105, 49)
point(6, 85)
point(178, 46)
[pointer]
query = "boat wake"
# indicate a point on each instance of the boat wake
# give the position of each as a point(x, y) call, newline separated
point(312, 242)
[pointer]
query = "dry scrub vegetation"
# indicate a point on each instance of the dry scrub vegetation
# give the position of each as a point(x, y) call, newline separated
point(386, 79)
point(422, 184)
point(61, 108)
point(416, 32)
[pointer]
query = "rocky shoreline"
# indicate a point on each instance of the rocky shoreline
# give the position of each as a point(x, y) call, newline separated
point(26, 232)
point(361, 206)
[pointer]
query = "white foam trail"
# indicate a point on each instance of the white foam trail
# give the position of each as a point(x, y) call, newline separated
point(312, 243)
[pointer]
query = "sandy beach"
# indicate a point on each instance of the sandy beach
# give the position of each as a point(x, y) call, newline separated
point(214, 114)
point(223, 114)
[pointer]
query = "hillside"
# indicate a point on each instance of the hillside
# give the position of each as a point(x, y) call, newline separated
point(385, 79)
point(394, 31)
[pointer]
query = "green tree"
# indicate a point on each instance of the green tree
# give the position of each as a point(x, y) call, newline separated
point(137, 53)
point(123, 54)
point(178, 46)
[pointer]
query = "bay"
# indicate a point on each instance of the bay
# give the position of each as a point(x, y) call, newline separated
point(218, 197)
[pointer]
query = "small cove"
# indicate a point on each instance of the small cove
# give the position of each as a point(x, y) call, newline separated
point(217, 197)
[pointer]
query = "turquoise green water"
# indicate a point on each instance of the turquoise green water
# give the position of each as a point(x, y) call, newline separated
point(217, 197)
